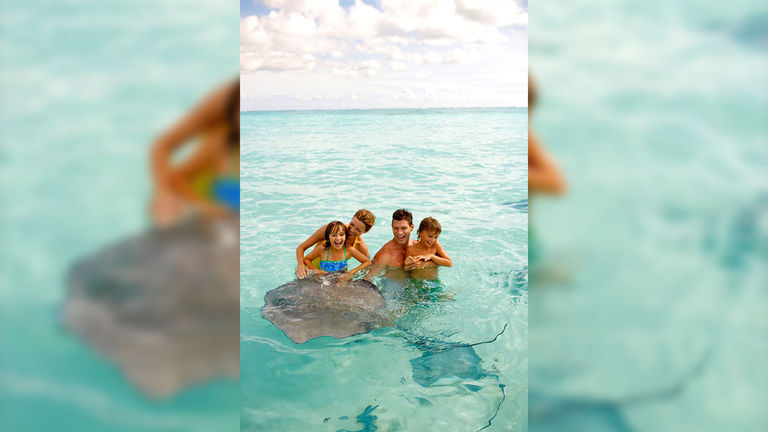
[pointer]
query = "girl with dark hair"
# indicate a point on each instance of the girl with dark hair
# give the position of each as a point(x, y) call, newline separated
point(334, 253)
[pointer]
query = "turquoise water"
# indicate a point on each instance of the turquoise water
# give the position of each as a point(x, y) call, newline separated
point(84, 89)
point(648, 304)
point(465, 167)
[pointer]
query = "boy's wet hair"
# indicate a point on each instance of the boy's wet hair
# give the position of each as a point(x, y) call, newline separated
point(402, 214)
point(366, 217)
point(332, 228)
point(429, 224)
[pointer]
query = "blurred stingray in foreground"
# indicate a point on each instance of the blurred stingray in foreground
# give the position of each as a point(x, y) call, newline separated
point(553, 412)
point(312, 307)
point(162, 305)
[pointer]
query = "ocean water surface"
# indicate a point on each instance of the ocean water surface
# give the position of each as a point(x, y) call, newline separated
point(465, 167)
point(85, 87)
point(648, 302)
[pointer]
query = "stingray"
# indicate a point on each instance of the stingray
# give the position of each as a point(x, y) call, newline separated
point(460, 361)
point(366, 418)
point(162, 305)
point(441, 360)
point(552, 412)
point(322, 306)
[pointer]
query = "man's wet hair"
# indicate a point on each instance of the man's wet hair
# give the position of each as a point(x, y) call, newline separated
point(402, 214)
point(429, 225)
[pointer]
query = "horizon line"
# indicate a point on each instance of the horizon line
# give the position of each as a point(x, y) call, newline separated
point(381, 109)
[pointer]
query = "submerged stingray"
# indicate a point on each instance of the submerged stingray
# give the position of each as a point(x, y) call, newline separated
point(312, 307)
point(552, 412)
point(162, 305)
point(461, 361)
point(452, 360)
point(448, 360)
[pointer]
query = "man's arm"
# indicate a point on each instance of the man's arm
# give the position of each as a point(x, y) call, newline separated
point(380, 261)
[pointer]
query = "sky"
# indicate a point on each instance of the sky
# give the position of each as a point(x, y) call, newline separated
point(363, 54)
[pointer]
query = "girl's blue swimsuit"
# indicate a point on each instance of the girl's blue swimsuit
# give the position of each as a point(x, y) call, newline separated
point(227, 192)
point(332, 266)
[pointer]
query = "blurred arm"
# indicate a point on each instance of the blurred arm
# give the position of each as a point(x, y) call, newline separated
point(543, 174)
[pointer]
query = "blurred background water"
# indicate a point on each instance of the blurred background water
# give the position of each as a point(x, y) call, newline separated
point(648, 302)
point(465, 167)
point(84, 88)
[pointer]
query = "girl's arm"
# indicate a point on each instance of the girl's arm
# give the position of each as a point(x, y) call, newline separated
point(202, 117)
point(543, 174)
point(302, 270)
point(182, 185)
point(174, 179)
point(364, 260)
point(312, 255)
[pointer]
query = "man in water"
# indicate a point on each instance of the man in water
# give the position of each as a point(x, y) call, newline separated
point(391, 257)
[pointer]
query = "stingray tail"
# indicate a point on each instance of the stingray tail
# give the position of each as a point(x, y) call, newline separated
point(490, 340)
point(498, 407)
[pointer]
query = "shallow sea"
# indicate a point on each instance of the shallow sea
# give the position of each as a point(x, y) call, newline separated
point(648, 302)
point(465, 167)
point(84, 89)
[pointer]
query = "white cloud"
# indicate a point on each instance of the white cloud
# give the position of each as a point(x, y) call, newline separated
point(403, 40)
point(323, 27)
point(398, 65)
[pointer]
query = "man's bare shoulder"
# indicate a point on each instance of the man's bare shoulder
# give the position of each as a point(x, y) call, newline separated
point(388, 251)
point(390, 245)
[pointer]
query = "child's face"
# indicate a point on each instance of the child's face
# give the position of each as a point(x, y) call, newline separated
point(428, 238)
point(337, 239)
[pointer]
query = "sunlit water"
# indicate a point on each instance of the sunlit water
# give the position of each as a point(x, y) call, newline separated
point(468, 169)
point(648, 306)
